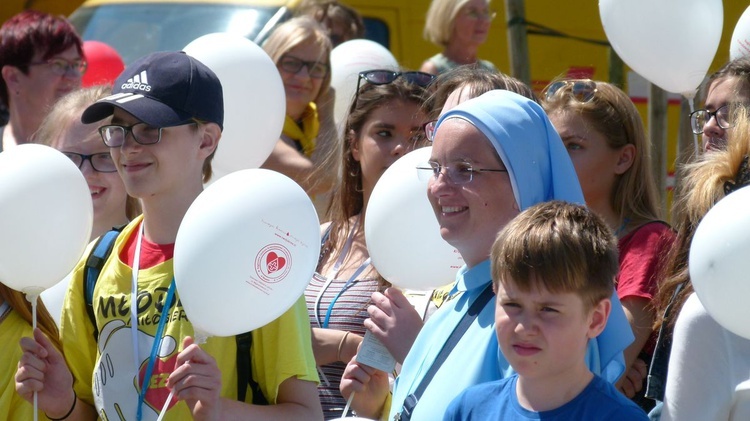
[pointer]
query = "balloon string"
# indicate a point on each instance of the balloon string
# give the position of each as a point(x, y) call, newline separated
point(200, 339)
point(33, 297)
point(691, 102)
point(348, 404)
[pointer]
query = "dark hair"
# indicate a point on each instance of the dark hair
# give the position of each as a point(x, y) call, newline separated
point(347, 199)
point(563, 247)
point(330, 12)
point(29, 32)
point(478, 79)
point(738, 68)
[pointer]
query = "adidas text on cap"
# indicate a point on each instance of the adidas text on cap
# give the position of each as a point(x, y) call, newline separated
point(164, 89)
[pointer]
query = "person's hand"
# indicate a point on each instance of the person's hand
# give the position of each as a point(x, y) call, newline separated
point(394, 321)
point(632, 382)
point(197, 380)
point(370, 388)
point(42, 369)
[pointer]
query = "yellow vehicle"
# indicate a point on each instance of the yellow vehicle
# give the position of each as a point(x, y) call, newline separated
point(565, 38)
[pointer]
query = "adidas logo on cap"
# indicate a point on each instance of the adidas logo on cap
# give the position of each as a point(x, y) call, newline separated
point(138, 82)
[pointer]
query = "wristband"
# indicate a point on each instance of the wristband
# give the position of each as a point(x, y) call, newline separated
point(75, 399)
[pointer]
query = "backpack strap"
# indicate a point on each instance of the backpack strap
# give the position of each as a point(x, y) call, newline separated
point(245, 371)
point(94, 264)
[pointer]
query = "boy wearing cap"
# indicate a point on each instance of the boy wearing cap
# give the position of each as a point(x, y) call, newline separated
point(553, 270)
point(167, 116)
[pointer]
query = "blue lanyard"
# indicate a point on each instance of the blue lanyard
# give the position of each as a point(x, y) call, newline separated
point(350, 282)
point(154, 348)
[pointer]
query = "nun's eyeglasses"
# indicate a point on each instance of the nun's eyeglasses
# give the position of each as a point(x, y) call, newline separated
point(457, 172)
point(583, 90)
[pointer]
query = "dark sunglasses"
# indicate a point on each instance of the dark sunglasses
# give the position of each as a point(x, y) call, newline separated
point(384, 77)
point(582, 90)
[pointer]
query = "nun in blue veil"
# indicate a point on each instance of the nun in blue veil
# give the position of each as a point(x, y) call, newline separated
point(493, 156)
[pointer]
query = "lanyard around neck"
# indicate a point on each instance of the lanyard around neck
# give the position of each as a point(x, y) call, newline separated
point(158, 336)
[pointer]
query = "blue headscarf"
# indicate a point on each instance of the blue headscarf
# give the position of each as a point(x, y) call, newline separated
point(518, 128)
point(540, 170)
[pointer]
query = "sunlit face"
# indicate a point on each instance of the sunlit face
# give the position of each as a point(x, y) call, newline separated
point(472, 23)
point(596, 163)
point(300, 88)
point(107, 190)
point(386, 136)
point(162, 168)
point(470, 215)
point(41, 87)
point(720, 93)
point(543, 334)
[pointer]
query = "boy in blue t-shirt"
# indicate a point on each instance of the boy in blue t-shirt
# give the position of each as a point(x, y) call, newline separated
point(553, 268)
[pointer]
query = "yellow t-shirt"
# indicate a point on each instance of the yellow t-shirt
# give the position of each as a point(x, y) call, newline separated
point(13, 406)
point(105, 373)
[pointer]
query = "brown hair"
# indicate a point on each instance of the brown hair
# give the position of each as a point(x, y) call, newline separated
point(18, 302)
point(738, 68)
point(612, 113)
point(475, 78)
point(560, 246)
point(330, 12)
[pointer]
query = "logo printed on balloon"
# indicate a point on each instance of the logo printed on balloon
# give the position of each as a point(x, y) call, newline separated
point(273, 263)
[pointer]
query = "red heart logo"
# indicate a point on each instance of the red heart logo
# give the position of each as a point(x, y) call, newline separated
point(274, 262)
point(157, 392)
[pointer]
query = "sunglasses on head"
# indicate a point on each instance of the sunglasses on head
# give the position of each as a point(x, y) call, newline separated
point(384, 77)
point(583, 90)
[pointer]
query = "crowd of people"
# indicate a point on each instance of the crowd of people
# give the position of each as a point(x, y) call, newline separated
point(575, 300)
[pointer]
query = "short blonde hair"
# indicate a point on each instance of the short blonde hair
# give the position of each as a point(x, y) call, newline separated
point(297, 31)
point(71, 107)
point(441, 17)
point(562, 247)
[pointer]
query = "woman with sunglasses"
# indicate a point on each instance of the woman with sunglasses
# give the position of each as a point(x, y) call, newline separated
point(604, 135)
point(62, 129)
point(728, 86)
point(301, 49)
point(459, 27)
point(492, 157)
point(383, 124)
point(41, 59)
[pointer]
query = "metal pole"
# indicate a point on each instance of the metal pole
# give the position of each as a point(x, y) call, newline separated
point(518, 48)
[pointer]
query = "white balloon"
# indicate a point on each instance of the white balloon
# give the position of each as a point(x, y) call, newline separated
point(245, 251)
point(739, 46)
point(254, 100)
point(719, 263)
point(669, 42)
point(402, 233)
point(347, 60)
point(45, 217)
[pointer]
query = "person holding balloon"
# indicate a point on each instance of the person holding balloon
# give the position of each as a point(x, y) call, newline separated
point(726, 88)
point(301, 50)
point(41, 59)
point(162, 140)
point(492, 157)
point(604, 135)
point(708, 367)
point(384, 123)
point(459, 28)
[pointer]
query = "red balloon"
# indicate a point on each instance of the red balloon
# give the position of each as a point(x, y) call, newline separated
point(104, 64)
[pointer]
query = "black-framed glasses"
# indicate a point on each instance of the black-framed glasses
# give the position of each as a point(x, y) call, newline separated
point(62, 67)
point(699, 118)
point(114, 135)
point(457, 172)
point(101, 162)
point(583, 90)
point(291, 64)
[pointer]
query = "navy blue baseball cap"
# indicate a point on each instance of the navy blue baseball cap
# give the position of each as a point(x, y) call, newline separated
point(164, 89)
